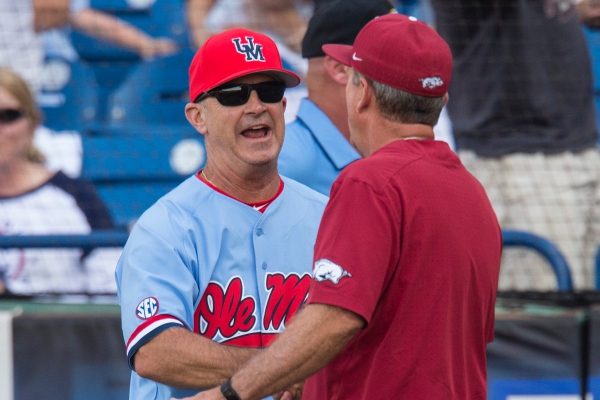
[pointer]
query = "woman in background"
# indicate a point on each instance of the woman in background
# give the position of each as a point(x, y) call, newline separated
point(37, 201)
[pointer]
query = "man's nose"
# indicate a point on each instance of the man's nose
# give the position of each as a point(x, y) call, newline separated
point(254, 104)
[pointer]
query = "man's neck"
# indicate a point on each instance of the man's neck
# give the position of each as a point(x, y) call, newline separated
point(249, 186)
point(383, 132)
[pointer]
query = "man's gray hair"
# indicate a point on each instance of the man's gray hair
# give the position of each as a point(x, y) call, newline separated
point(400, 106)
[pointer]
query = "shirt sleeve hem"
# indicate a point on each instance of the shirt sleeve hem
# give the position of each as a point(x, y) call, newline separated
point(341, 302)
point(147, 331)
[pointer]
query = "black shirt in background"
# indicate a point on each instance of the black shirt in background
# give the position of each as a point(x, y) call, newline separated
point(522, 80)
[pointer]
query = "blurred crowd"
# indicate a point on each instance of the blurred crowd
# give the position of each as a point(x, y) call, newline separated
point(521, 112)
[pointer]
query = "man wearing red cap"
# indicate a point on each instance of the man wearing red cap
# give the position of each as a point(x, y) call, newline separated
point(401, 305)
point(217, 267)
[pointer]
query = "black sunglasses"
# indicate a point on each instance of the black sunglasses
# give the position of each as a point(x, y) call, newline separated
point(237, 95)
point(8, 115)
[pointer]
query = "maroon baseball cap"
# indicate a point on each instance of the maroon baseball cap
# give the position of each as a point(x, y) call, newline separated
point(400, 52)
point(232, 54)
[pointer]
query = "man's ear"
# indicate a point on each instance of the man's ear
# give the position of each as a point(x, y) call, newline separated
point(366, 95)
point(337, 70)
point(446, 97)
point(196, 116)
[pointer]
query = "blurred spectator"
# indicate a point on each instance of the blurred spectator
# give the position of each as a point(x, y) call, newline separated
point(36, 201)
point(524, 120)
point(20, 49)
point(316, 146)
point(55, 17)
point(284, 19)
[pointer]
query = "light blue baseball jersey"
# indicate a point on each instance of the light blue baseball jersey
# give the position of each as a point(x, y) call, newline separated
point(206, 262)
point(314, 151)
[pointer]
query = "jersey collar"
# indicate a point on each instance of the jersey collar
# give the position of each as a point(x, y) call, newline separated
point(261, 206)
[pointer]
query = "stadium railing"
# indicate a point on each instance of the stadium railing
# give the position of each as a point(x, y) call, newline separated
point(118, 238)
point(547, 249)
point(100, 238)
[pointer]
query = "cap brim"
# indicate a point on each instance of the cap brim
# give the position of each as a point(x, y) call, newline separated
point(339, 52)
point(288, 77)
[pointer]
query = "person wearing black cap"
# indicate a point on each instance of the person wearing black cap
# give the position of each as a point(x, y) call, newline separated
point(316, 146)
point(401, 304)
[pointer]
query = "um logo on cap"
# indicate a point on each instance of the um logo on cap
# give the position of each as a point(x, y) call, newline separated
point(252, 51)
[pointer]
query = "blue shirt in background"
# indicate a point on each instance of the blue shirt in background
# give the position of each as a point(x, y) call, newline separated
point(314, 151)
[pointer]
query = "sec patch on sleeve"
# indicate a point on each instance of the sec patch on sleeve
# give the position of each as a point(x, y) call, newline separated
point(147, 308)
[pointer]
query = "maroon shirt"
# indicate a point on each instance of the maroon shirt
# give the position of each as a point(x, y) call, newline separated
point(408, 241)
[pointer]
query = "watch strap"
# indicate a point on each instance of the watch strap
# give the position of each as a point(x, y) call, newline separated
point(228, 391)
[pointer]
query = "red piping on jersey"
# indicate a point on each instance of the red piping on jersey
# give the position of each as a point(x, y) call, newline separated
point(147, 323)
point(264, 203)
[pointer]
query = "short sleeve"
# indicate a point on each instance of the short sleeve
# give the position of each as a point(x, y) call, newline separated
point(356, 250)
point(87, 199)
point(156, 285)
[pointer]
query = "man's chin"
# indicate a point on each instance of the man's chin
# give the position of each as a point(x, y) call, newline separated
point(262, 162)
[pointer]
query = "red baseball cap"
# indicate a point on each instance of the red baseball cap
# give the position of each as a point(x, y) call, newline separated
point(235, 53)
point(400, 52)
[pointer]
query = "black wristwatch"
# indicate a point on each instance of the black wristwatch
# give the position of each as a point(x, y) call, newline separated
point(228, 391)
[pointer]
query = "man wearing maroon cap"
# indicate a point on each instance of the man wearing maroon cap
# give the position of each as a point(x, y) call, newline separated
point(401, 305)
point(217, 268)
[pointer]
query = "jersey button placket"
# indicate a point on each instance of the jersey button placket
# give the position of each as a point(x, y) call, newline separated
point(259, 232)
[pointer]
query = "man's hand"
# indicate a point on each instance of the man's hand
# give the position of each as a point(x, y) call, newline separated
point(317, 334)
point(292, 393)
point(156, 47)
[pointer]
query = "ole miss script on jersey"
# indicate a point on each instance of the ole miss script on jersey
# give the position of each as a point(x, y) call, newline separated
point(227, 315)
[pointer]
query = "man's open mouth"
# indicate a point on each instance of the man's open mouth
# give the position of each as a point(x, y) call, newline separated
point(256, 132)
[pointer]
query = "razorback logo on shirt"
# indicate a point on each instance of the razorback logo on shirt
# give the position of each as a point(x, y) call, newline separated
point(327, 270)
point(228, 313)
